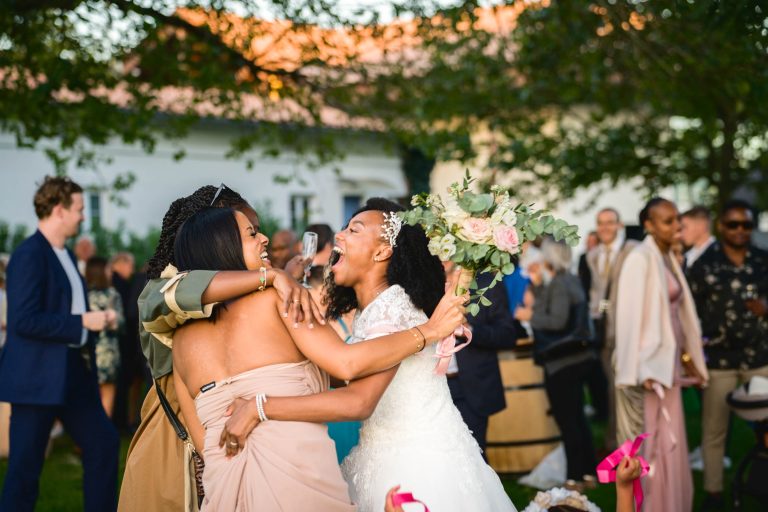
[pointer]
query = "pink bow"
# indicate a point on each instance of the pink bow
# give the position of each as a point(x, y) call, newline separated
point(406, 497)
point(447, 347)
point(606, 470)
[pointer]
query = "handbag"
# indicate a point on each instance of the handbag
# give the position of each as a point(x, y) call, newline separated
point(193, 462)
point(577, 336)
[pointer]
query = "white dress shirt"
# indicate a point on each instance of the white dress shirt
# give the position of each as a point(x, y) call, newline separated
point(695, 252)
point(78, 294)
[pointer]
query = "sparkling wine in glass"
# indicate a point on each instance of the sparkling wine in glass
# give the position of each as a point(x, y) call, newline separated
point(308, 252)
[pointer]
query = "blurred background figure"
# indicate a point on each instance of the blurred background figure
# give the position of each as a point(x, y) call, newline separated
point(729, 282)
point(283, 247)
point(132, 374)
point(103, 297)
point(696, 233)
point(605, 262)
point(585, 274)
point(47, 364)
point(473, 374)
point(560, 311)
point(3, 304)
point(656, 325)
point(84, 250)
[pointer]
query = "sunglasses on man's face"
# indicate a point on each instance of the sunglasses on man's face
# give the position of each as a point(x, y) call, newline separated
point(733, 225)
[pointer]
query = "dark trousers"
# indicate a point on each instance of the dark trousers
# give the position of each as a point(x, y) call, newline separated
point(84, 419)
point(597, 383)
point(566, 399)
point(477, 423)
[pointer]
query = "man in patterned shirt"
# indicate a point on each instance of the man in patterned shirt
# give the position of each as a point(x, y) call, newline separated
point(729, 283)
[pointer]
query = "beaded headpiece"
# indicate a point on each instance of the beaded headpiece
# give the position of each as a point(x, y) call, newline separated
point(391, 227)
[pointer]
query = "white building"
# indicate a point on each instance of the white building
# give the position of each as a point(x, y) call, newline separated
point(322, 195)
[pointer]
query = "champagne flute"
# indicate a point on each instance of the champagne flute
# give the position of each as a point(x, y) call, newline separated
point(308, 252)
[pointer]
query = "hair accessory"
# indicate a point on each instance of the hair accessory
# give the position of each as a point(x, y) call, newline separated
point(392, 225)
point(217, 194)
point(560, 496)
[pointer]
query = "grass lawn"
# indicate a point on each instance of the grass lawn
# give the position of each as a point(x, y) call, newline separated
point(61, 483)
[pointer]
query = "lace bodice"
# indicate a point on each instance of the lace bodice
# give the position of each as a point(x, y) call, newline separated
point(416, 394)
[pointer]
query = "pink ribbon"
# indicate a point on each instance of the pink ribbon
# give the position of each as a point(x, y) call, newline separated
point(447, 347)
point(606, 470)
point(406, 497)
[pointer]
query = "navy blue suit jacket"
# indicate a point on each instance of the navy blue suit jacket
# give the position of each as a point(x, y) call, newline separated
point(37, 363)
point(493, 329)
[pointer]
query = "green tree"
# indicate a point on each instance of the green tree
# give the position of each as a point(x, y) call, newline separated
point(76, 74)
point(573, 93)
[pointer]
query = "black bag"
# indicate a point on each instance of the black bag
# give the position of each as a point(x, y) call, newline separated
point(181, 432)
point(577, 336)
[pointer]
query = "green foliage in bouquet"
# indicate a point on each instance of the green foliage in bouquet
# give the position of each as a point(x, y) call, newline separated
point(482, 232)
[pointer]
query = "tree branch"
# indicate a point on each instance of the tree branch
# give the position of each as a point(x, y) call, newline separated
point(206, 35)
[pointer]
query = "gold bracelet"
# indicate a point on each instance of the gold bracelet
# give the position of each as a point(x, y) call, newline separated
point(263, 278)
point(423, 339)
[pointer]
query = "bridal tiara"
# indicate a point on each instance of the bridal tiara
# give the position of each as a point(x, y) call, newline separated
point(391, 227)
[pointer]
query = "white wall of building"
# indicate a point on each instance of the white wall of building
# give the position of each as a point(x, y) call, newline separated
point(367, 170)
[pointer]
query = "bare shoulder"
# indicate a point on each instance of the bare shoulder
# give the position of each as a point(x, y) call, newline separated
point(257, 301)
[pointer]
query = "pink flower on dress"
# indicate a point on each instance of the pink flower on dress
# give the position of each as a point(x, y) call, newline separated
point(506, 239)
point(476, 231)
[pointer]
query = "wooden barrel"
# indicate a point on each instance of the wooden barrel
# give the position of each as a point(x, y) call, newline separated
point(523, 433)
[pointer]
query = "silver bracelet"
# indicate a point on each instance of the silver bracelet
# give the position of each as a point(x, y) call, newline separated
point(261, 399)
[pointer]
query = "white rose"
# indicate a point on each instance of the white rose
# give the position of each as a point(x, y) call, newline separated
point(505, 215)
point(434, 246)
point(453, 214)
point(447, 248)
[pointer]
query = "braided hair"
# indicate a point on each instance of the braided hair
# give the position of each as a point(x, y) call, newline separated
point(411, 266)
point(179, 211)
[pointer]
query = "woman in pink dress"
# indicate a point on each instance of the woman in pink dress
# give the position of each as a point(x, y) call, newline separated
point(656, 325)
point(249, 348)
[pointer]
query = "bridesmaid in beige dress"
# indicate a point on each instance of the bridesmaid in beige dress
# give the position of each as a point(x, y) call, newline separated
point(249, 347)
point(656, 323)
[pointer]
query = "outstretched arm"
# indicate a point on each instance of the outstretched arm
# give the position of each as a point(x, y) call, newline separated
point(324, 347)
point(353, 402)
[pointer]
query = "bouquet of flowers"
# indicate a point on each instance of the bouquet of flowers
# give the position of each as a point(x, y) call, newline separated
point(481, 232)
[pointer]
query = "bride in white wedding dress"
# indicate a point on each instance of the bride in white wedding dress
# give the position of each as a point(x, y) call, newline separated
point(413, 435)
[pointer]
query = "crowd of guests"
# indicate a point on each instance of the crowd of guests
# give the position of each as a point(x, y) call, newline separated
point(638, 321)
point(678, 308)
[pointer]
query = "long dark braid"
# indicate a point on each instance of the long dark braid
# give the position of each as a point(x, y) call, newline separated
point(412, 266)
point(179, 211)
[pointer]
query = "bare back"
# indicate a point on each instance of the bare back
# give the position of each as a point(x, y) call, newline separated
point(248, 334)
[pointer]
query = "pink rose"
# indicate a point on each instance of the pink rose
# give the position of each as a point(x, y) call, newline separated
point(506, 239)
point(475, 230)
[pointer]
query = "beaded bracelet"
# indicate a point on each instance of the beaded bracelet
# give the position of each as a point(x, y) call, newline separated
point(416, 337)
point(261, 399)
point(263, 279)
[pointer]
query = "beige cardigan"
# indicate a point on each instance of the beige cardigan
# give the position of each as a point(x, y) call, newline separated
point(645, 341)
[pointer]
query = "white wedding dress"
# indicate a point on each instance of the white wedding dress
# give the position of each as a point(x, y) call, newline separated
point(416, 438)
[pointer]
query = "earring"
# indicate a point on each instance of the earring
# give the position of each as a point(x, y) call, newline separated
point(376, 259)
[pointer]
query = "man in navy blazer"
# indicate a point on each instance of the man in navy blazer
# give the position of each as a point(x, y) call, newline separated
point(47, 366)
point(474, 377)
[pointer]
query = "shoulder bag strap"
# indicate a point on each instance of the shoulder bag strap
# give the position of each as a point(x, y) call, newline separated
point(175, 423)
